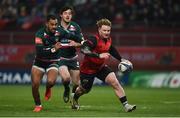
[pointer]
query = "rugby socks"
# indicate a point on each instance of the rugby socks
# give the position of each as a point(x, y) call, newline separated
point(37, 103)
point(37, 100)
point(48, 86)
point(123, 100)
point(74, 88)
point(76, 96)
point(66, 85)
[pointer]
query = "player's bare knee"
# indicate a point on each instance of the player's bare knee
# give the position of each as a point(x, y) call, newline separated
point(114, 84)
point(35, 85)
point(51, 82)
point(65, 77)
point(65, 80)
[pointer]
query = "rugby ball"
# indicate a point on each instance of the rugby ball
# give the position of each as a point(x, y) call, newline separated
point(125, 66)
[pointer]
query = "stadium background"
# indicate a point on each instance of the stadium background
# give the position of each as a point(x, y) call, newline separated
point(144, 31)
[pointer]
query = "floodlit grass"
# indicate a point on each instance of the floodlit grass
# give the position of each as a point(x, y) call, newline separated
point(17, 101)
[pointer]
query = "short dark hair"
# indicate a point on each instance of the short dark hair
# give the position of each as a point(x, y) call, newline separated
point(50, 16)
point(66, 8)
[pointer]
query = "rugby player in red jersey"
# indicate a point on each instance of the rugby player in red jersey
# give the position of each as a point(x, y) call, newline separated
point(97, 49)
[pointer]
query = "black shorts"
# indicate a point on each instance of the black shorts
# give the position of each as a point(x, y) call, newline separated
point(45, 66)
point(71, 64)
point(88, 79)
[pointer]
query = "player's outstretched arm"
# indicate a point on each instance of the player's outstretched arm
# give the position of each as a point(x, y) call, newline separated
point(87, 46)
point(87, 51)
point(68, 35)
point(113, 51)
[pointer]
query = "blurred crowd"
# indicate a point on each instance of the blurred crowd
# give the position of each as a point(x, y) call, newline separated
point(26, 14)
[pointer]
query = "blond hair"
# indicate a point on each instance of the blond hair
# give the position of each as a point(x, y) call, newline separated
point(103, 21)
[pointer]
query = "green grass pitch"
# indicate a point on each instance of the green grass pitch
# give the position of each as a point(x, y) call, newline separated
point(16, 101)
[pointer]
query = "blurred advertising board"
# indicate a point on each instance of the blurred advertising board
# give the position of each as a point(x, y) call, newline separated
point(15, 58)
point(148, 79)
point(16, 53)
point(151, 58)
point(154, 79)
point(12, 76)
point(19, 76)
point(152, 55)
point(143, 58)
point(22, 76)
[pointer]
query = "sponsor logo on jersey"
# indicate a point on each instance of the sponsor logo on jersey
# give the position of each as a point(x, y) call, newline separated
point(46, 36)
point(57, 33)
point(72, 28)
point(38, 40)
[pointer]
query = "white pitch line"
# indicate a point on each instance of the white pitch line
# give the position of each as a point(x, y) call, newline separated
point(171, 102)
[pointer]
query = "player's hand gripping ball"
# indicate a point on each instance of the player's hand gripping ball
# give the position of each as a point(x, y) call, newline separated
point(125, 66)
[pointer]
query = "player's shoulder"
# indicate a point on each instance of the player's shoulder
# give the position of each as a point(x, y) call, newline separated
point(74, 24)
point(92, 38)
point(40, 32)
point(59, 28)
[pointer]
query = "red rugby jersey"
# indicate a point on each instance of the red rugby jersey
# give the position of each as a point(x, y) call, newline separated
point(91, 65)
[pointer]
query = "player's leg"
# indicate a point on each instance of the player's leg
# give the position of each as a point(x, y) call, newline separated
point(36, 76)
point(52, 73)
point(84, 87)
point(119, 91)
point(75, 77)
point(75, 74)
point(65, 75)
point(109, 77)
point(75, 96)
point(73, 66)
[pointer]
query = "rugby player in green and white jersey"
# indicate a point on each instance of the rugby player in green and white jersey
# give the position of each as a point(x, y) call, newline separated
point(69, 65)
point(47, 43)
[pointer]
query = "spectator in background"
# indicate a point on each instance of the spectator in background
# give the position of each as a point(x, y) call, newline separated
point(24, 19)
point(119, 20)
point(8, 12)
point(135, 12)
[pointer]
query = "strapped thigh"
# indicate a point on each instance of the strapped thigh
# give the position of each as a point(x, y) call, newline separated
point(87, 81)
point(103, 73)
